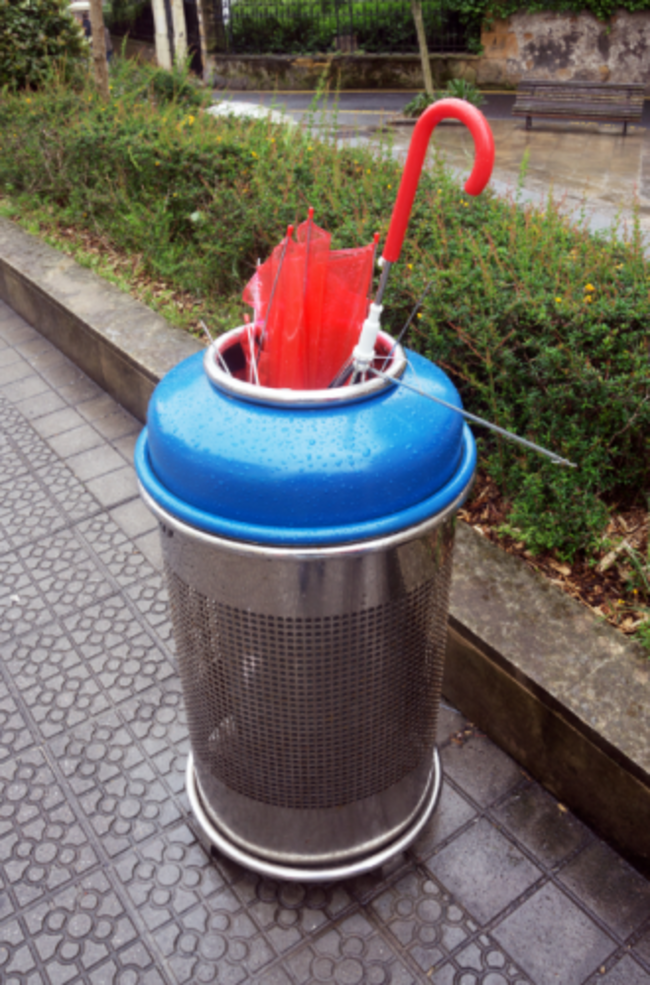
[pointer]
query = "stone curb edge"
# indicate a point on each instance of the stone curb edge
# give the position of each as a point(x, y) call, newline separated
point(567, 697)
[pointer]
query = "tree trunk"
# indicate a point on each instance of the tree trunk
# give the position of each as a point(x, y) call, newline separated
point(180, 31)
point(416, 10)
point(99, 46)
point(161, 28)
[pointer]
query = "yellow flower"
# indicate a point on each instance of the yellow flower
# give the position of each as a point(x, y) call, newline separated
point(389, 186)
point(440, 191)
point(190, 120)
point(419, 314)
point(410, 266)
point(157, 163)
point(558, 300)
point(368, 171)
point(253, 154)
point(29, 100)
point(588, 299)
point(619, 266)
point(590, 287)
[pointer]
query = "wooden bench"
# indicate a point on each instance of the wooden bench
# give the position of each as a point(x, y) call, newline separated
point(610, 102)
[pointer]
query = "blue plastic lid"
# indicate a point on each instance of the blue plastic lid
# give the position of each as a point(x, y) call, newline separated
point(316, 475)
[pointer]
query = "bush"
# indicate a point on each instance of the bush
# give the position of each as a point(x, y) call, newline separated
point(36, 36)
point(542, 325)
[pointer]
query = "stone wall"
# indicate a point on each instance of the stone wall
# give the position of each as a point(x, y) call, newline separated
point(566, 47)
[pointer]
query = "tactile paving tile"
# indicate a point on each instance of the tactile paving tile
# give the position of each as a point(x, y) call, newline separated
point(123, 657)
point(482, 962)
point(15, 734)
point(425, 920)
point(351, 951)
point(125, 563)
point(21, 607)
point(66, 576)
point(42, 844)
point(151, 599)
point(289, 912)
point(116, 786)
point(195, 919)
point(157, 719)
point(27, 511)
point(55, 684)
point(84, 934)
point(70, 495)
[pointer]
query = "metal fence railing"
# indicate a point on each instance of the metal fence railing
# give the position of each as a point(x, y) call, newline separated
point(291, 26)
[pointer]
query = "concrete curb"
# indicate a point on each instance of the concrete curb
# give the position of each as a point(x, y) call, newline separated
point(563, 694)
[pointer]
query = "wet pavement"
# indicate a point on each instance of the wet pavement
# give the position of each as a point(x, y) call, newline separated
point(590, 169)
point(102, 877)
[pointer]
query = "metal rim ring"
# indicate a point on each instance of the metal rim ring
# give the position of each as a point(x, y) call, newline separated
point(291, 873)
point(297, 398)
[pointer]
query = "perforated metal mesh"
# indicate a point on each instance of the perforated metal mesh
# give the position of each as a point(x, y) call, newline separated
point(312, 713)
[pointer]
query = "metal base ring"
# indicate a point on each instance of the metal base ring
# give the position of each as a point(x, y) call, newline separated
point(297, 873)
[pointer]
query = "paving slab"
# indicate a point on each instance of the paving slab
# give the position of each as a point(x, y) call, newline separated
point(103, 878)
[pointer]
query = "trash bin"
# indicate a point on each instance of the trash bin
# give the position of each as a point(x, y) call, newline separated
point(307, 539)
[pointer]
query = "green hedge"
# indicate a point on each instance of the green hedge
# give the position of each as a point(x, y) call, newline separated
point(35, 37)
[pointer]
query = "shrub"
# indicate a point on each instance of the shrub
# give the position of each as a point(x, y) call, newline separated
point(35, 37)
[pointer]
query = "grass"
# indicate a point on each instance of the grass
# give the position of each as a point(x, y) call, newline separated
point(542, 325)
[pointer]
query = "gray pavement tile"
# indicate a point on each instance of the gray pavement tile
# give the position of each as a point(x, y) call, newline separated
point(40, 404)
point(642, 947)
point(58, 422)
point(15, 734)
point(124, 659)
point(116, 786)
point(609, 887)
point(540, 823)
point(158, 721)
point(84, 934)
point(65, 573)
point(17, 330)
point(349, 951)
point(33, 347)
point(451, 813)
point(42, 844)
point(483, 870)
point(115, 487)
point(450, 722)
point(29, 386)
point(54, 683)
point(151, 547)
point(151, 599)
point(10, 355)
point(120, 555)
point(100, 406)
point(17, 370)
point(77, 440)
point(57, 370)
point(623, 972)
point(134, 518)
point(424, 919)
point(116, 425)
point(81, 391)
point(96, 461)
point(126, 445)
point(481, 769)
point(553, 940)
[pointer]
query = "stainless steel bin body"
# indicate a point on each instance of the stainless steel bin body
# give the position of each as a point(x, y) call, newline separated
point(311, 676)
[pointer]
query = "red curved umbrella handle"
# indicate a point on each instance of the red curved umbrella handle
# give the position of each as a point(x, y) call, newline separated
point(444, 109)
